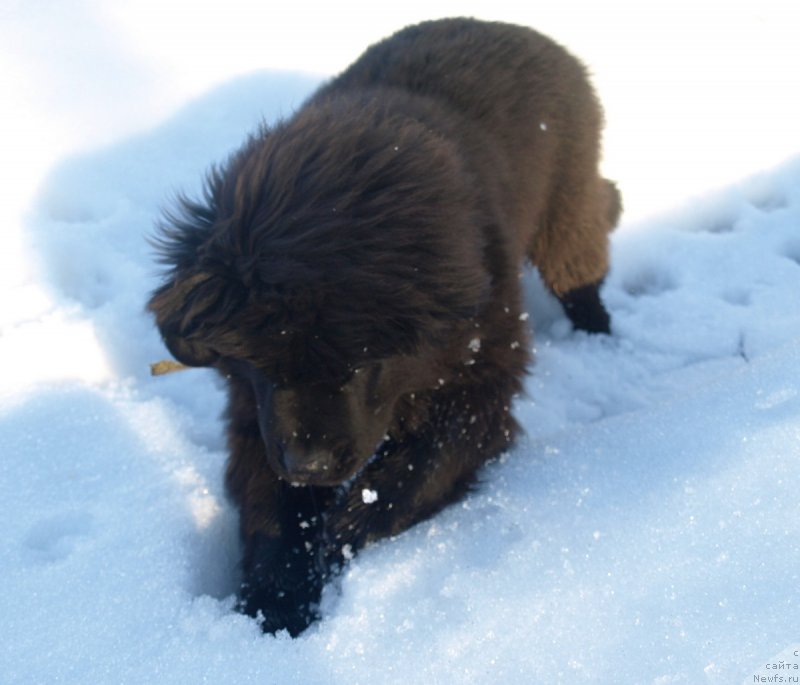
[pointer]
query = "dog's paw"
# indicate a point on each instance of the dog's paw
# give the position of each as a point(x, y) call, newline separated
point(277, 609)
point(585, 309)
point(282, 585)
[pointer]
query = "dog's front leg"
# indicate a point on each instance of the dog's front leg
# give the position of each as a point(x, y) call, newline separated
point(414, 477)
point(284, 573)
point(283, 568)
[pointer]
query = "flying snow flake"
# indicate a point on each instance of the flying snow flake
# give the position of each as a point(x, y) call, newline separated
point(369, 496)
point(475, 344)
point(543, 126)
point(524, 316)
point(347, 552)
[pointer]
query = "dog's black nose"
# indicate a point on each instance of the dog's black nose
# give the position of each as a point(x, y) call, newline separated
point(299, 463)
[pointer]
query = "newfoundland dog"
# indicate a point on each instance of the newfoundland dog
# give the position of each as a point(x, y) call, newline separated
point(353, 272)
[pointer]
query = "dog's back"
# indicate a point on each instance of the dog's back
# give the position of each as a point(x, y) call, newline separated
point(530, 123)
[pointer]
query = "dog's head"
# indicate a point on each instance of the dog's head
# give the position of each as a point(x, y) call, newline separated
point(325, 272)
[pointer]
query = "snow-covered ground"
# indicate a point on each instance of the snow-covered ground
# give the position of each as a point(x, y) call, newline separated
point(647, 528)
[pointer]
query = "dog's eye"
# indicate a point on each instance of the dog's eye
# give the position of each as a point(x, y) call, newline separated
point(345, 379)
point(358, 372)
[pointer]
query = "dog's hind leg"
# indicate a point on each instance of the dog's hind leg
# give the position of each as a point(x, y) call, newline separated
point(571, 249)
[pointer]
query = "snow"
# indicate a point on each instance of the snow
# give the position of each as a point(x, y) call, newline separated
point(369, 496)
point(645, 530)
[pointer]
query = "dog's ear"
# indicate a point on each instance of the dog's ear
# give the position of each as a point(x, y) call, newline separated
point(177, 307)
point(184, 228)
point(190, 352)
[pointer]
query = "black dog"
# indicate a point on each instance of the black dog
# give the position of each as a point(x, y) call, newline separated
point(354, 272)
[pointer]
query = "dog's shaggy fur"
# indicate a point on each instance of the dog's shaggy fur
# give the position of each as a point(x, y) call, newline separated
point(354, 273)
